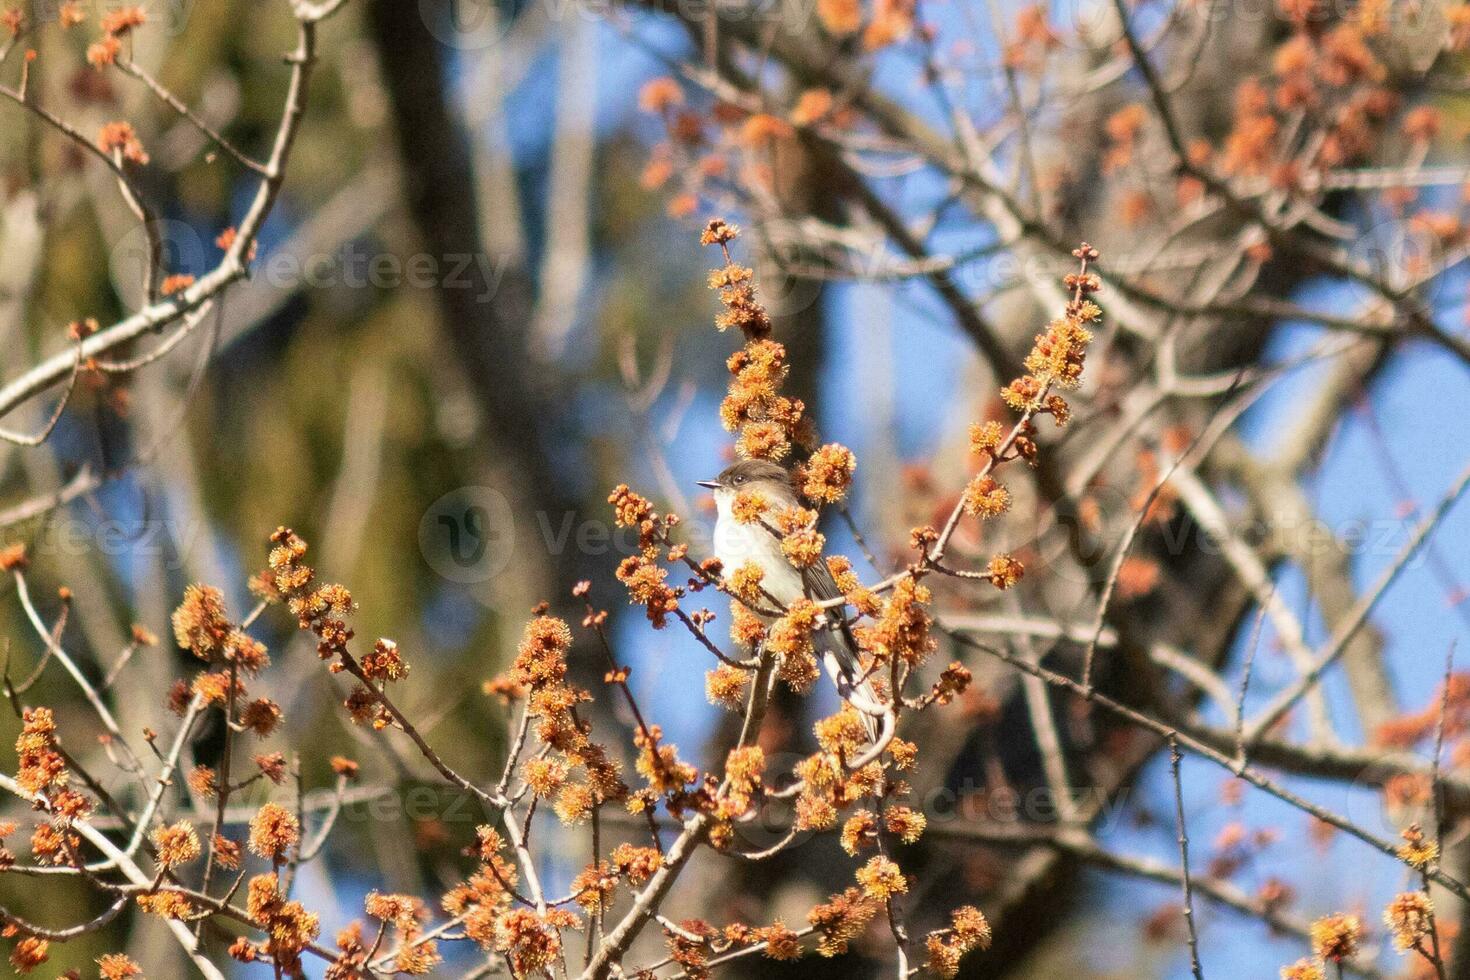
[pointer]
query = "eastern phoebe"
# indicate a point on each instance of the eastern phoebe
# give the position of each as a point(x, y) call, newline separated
point(737, 543)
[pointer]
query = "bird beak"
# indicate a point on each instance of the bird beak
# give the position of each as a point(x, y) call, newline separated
point(708, 484)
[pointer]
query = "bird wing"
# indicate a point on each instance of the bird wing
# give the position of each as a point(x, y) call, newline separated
point(839, 651)
point(820, 585)
point(819, 582)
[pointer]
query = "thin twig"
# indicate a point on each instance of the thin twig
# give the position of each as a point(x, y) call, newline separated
point(174, 102)
point(1183, 833)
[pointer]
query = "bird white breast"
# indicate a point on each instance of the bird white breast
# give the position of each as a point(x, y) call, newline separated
point(736, 543)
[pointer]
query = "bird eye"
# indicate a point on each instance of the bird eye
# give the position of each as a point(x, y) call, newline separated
point(738, 479)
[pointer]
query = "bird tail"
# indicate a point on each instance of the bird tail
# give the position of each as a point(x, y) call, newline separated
point(839, 656)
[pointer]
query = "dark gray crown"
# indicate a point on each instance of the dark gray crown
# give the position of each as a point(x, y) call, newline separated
point(749, 471)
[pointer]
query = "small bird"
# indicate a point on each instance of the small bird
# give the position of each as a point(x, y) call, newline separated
point(736, 544)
